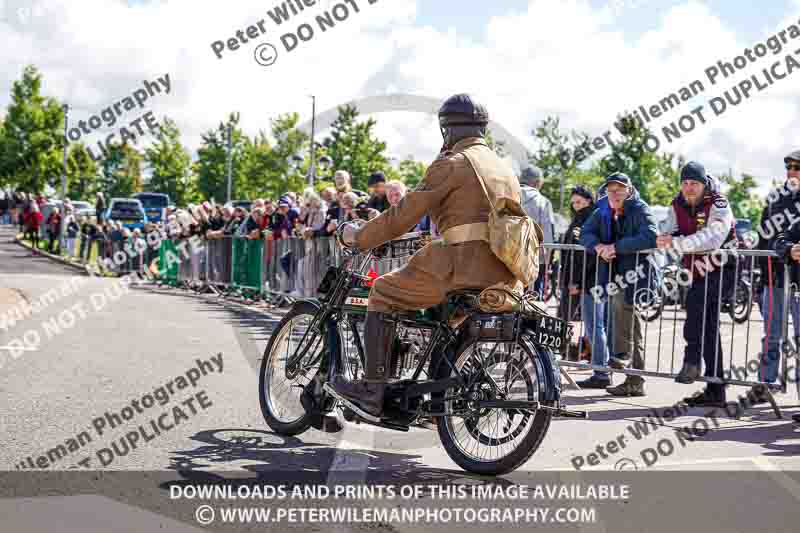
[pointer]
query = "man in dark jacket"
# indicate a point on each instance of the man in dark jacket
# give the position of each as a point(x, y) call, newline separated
point(622, 226)
point(783, 208)
point(787, 246)
point(377, 189)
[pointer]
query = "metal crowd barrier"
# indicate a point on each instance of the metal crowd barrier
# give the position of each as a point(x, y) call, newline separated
point(742, 336)
point(219, 254)
point(285, 267)
point(295, 267)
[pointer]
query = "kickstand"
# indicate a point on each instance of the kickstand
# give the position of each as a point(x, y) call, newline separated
point(566, 377)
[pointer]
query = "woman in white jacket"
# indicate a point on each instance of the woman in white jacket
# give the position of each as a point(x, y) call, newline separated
point(310, 270)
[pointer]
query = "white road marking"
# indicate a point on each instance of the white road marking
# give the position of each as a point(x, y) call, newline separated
point(780, 477)
point(715, 460)
point(23, 348)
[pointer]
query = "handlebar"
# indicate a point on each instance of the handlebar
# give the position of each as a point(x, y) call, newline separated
point(414, 235)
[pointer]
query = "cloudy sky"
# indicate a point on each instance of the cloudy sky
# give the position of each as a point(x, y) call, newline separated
point(583, 60)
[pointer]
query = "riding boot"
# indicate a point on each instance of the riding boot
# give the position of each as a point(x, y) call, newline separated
point(368, 393)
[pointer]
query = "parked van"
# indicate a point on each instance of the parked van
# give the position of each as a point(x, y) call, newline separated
point(155, 205)
point(128, 211)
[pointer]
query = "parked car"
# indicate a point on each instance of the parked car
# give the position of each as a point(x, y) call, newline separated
point(129, 211)
point(155, 205)
point(743, 226)
point(81, 209)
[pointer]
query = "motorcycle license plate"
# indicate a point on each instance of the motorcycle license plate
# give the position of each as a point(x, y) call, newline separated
point(551, 332)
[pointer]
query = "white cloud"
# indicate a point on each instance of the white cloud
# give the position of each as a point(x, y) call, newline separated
point(561, 57)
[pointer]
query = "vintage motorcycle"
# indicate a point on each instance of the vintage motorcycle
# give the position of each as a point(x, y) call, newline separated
point(489, 382)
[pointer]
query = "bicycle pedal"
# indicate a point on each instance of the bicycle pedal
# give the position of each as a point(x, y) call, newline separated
point(567, 413)
point(348, 415)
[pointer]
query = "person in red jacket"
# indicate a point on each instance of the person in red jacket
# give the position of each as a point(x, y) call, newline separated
point(54, 230)
point(33, 221)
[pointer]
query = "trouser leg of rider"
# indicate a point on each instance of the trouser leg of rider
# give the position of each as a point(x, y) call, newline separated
point(379, 331)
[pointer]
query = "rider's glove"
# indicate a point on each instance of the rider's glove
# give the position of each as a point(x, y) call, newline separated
point(346, 233)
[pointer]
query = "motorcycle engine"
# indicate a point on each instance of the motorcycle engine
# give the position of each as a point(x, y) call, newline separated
point(405, 357)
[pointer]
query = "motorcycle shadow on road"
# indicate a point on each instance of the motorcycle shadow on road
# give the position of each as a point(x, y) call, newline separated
point(783, 439)
point(280, 460)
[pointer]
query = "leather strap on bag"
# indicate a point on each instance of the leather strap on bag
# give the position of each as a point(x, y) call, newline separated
point(493, 211)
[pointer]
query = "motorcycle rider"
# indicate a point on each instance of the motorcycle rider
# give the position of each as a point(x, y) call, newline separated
point(453, 197)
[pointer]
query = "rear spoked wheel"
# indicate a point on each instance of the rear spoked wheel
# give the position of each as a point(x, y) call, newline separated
point(493, 441)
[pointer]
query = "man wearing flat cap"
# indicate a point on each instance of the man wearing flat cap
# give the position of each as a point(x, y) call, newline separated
point(614, 236)
point(701, 220)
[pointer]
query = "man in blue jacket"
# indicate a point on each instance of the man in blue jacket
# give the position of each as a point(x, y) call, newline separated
point(621, 226)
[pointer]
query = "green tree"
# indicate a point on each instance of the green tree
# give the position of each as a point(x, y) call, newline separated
point(170, 165)
point(556, 157)
point(654, 175)
point(82, 173)
point(32, 140)
point(121, 171)
point(411, 172)
point(268, 169)
point(353, 147)
point(742, 196)
point(291, 141)
point(211, 165)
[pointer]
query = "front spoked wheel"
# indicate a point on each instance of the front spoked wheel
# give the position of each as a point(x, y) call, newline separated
point(494, 441)
point(280, 387)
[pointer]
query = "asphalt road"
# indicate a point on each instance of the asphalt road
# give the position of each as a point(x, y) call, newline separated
point(101, 345)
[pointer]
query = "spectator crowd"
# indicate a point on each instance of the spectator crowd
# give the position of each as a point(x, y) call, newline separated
point(598, 283)
point(309, 215)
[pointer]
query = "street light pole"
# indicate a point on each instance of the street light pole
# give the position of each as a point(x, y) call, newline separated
point(312, 169)
point(62, 240)
point(229, 162)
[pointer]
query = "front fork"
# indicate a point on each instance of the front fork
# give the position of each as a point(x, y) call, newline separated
point(314, 398)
